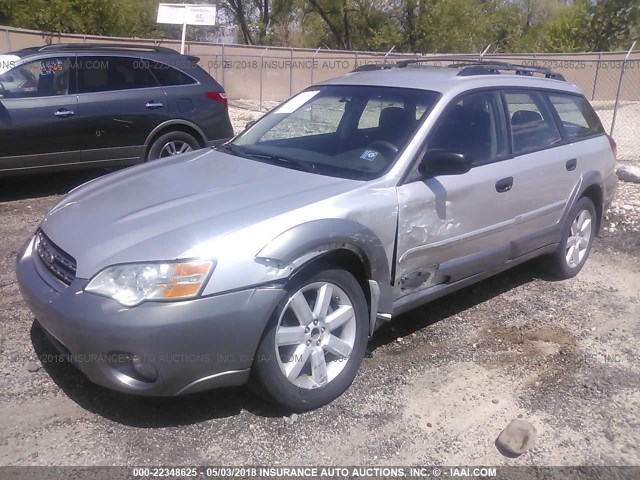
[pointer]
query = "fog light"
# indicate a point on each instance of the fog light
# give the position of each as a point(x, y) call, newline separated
point(144, 368)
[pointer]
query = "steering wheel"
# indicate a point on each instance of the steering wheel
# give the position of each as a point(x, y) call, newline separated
point(384, 147)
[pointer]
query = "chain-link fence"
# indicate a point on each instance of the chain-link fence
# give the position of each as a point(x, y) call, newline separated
point(256, 78)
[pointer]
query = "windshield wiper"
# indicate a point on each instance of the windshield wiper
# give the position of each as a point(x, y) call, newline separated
point(299, 164)
point(233, 149)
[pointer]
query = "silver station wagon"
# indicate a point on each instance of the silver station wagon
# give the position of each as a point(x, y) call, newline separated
point(273, 258)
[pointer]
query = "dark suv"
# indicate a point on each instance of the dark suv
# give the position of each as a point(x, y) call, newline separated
point(70, 105)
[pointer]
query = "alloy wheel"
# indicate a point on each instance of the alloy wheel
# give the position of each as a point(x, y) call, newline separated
point(579, 238)
point(315, 335)
point(175, 147)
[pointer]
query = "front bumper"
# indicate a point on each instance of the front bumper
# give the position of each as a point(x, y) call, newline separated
point(192, 345)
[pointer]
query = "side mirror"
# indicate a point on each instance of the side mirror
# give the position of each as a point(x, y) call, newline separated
point(444, 162)
point(3, 92)
point(250, 124)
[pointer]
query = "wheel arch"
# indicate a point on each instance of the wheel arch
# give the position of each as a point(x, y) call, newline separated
point(335, 242)
point(595, 194)
point(172, 126)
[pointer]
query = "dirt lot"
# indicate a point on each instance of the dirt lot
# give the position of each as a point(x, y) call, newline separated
point(440, 383)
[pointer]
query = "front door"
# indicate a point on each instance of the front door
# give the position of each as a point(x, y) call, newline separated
point(456, 226)
point(39, 115)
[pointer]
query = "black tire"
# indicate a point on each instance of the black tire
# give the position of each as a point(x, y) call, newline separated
point(156, 150)
point(557, 262)
point(267, 376)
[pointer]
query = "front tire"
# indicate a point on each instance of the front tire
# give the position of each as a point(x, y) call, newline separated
point(315, 342)
point(577, 239)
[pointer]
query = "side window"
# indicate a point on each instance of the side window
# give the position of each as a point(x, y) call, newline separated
point(473, 125)
point(41, 78)
point(532, 124)
point(104, 74)
point(168, 76)
point(577, 117)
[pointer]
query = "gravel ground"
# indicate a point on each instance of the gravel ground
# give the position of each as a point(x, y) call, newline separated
point(440, 384)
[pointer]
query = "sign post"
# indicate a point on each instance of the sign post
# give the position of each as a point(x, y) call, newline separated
point(186, 14)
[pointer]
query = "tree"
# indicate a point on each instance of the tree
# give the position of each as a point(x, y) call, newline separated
point(92, 17)
point(568, 31)
point(612, 23)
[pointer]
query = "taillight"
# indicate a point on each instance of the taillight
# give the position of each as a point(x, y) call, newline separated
point(614, 146)
point(218, 97)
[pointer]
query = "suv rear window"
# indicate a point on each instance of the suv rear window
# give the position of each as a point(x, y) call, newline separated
point(577, 117)
point(169, 76)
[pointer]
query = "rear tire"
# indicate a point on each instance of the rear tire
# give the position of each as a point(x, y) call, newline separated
point(314, 343)
point(578, 233)
point(172, 143)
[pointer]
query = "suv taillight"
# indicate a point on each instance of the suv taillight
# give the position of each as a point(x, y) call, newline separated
point(218, 97)
point(614, 146)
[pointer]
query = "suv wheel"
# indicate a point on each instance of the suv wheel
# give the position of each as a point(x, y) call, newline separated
point(315, 342)
point(172, 143)
point(577, 238)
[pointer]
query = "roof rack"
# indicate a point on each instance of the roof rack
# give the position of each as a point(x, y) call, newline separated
point(108, 46)
point(470, 67)
point(369, 67)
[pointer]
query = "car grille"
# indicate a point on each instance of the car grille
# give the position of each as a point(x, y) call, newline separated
point(61, 265)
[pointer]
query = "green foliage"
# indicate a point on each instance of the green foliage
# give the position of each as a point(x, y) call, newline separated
point(612, 24)
point(428, 26)
point(91, 17)
point(569, 30)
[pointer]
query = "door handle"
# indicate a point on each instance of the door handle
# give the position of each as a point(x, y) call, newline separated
point(504, 184)
point(153, 104)
point(572, 164)
point(64, 113)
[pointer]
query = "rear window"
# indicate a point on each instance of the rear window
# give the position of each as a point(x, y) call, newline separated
point(169, 76)
point(578, 119)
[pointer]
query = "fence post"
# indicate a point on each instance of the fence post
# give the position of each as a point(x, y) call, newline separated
point(223, 66)
point(261, 67)
point(595, 80)
point(6, 31)
point(615, 108)
point(291, 74)
point(313, 63)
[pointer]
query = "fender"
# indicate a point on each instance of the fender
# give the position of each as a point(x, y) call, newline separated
point(178, 122)
point(311, 239)
point(588, 179)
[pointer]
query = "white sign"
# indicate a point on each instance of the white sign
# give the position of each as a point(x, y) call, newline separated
point(186, 14)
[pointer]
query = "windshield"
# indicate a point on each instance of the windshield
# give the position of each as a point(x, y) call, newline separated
point(345, 131)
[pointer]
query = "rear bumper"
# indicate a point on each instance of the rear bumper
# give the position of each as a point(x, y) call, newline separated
point(192, 345)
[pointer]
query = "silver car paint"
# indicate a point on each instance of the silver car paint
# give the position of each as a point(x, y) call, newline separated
point(214, 205)
point(250, 204)
point(262, 222)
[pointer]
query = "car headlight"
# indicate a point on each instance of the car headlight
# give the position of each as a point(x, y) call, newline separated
point(132, 284)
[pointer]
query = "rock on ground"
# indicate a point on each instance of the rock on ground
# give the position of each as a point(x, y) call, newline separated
point(518, 437)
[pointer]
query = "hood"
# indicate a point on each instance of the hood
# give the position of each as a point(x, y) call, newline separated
point(160, 210)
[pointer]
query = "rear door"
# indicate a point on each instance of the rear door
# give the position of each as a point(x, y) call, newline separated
point(120, 103)
point(38, 115)
point(204, 104)
point(543, 178)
